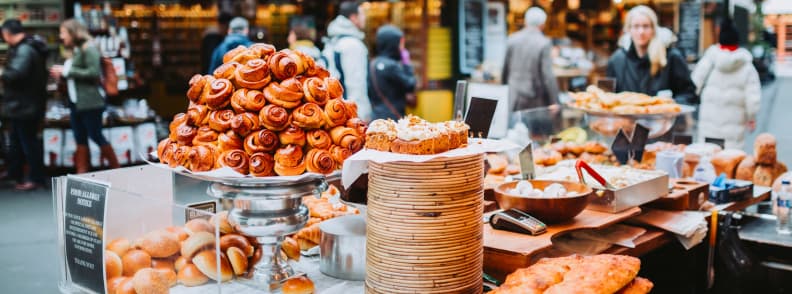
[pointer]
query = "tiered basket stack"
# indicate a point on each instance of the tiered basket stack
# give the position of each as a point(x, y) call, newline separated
point(424, 230)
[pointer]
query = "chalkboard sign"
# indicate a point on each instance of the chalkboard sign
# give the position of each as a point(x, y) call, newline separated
point(689, 23)
point(472, 21)
point(83, 220)
point(479, 116)
point(200, 210)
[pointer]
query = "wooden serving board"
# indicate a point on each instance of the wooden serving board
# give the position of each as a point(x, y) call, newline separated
point(685, 195)
point(504, 251)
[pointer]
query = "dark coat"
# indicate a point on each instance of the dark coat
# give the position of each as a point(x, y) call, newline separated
point(632, 73)
point(25, 80)
point(393, 79)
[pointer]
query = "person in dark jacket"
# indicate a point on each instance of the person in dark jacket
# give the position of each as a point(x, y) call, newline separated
point(82, 73)
point(647, 65)
point(237, 35)
point(213, 36)
point(25, 81)
point(391, 77)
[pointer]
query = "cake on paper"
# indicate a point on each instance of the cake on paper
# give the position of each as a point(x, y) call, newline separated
point(414, 135)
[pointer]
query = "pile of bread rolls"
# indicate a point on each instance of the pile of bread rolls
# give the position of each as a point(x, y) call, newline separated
point(180, 255)
point(763, 167)
point(264, 113)
point(320, 209)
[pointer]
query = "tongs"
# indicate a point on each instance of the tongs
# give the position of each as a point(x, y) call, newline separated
point(580, 165)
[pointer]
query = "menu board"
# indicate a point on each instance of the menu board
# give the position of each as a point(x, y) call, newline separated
point(472, 21)
point(689, 23)
point(83, 228)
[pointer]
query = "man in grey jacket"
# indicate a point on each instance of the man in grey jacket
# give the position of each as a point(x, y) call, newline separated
point(528, 66)
point(347, 55)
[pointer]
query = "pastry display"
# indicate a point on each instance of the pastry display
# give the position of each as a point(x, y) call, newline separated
point(413, 135)
point(595, 99)
point(256, 110)
point(320, 209)
point(602, 273)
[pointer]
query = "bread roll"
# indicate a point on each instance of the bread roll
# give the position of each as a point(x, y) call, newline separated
point(291, 248)
point(238, 260)
point(190, 276)
point(298, 285)
point(287, 94)
point(135, 260)
point(238, 241)
point(160, 244)
point(149, 281)
point(746, 169)
point(221, 220)
point(196, 243)
point(120, 246)
point(169, 275)
point(765, 149)
point(162, 263)
point(126, 287)
point(726, 161)
point(112, 284)
point(180, 263)
point(763, 176)
point(179, 232)
point(198, 225)
point(113, 266)
point(207, 262)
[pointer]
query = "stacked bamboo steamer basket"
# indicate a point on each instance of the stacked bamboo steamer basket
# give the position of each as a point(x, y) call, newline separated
point(424, 228)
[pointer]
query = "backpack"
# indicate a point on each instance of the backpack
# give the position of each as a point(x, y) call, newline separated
point(109, 78)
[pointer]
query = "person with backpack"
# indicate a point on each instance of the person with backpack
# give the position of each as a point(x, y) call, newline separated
point(83, 74)
point(25, 81)
point(730, 89)
point(347, 55)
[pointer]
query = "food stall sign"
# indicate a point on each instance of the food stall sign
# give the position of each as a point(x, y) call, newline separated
point(472, 22)
point(689, 28)
point(199, 210)
point(479, 116)
point(83, 228)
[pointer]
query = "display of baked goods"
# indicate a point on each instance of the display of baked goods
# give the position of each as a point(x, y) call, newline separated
point(264, 113)
point(413, 135)
point(320, 209)
point(617, 176)
point(595, 274)
point(595, 99)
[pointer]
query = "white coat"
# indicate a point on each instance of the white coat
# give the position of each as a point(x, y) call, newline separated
point(346, 39)
point(730, 94)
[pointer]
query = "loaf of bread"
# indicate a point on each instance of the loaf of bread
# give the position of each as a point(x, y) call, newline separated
point(746, 168)
point(726, 161)
point(765, 149)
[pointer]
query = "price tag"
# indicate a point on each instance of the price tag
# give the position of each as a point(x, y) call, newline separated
point(479, 116)
point(83, 222)
point(197, 210)
point(682, 139)
point(716, 141)
point(621, 147)
point(627, 149)
point(459, 99)
point(526, 163)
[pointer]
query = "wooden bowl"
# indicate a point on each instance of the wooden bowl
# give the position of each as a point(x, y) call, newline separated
point(547, 210)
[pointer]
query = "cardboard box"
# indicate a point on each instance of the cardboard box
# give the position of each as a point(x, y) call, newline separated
point(145, 141)
point(53, 147)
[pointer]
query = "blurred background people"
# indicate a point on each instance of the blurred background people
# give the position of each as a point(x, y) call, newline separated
point(347, 55)
point(646, 64)
point(238, 30)
point(391, 78)
point(82, 72)
point(213, 36)
point(730, 89)
point(25, 83)
point(528, 67)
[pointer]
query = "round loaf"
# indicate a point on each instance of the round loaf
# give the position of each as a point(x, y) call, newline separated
point(196, 242)
point(190, 276)
point(160, 244)
point(135, 260)
point(162, 263)
point(238, 260)
point(298, 285)
point(114, 283)
point(120, 246)
point(238, 241)
point(125, 287)
point(150, 281)
point(207, 262)
point(113, 265)
point(198, 225)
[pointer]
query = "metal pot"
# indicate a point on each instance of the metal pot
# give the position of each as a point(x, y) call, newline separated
point(342, 248)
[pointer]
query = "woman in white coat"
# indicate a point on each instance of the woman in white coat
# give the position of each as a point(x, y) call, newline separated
point(730, 90)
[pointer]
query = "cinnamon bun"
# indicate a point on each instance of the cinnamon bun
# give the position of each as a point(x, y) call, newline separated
point(178, 120)
point(274, 117)
point(204, 136)
point(293, 134)
point(245, 100)
point(262, 141)
point(220, 120)
point(287, 94)
point(197, 114)
point(253, 74)
point(228, 141)
point(335, 113)
point(235, 159)
point(305, 64)
point(351, 108)
point(262, 164)
point(185, 134)
point(334, 88)
point(245, 123)
point(262, 50)
point(181, 157)
point(319, 161)
point(198, 85)
point(202, 158)
point(289, 161)
point(347, 138)
point(319, 139)
point(282, 65)
point(358, 124)
point(226, 70)
point(219, 94)
point(315, 90)
point(339, 154)
point(309, 116)
point(239, 54)
point(165, 150)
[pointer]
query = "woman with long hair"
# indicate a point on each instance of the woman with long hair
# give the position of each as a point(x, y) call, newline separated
point(646, 64)
point(82, 73)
